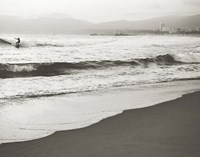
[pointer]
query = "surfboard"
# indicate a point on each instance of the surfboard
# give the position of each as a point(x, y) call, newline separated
point(17, 45)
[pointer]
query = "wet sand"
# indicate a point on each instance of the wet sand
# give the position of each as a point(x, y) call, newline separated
point(170, 129)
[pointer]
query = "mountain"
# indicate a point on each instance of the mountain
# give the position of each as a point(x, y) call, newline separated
point(151, 24)
point(66, 25)
point(43, 25)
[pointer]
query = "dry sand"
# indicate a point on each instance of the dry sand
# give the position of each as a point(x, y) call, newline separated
point(170, 129)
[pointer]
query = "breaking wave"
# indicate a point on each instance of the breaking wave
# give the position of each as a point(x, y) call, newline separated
point(33, 43)
point(63, 68)
point(8, 42)
point(5, 42)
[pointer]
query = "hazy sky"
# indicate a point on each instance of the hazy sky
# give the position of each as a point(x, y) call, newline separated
point(100, 10)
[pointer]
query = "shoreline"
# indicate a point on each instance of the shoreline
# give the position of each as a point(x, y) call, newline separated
point(65, 112)
point(169, 129)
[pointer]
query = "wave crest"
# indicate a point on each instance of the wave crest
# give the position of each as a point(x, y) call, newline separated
point(63, 68)
point(5, 42)
point(26, 44)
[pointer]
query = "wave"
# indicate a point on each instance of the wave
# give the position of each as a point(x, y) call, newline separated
point(186, 79)
point(10, 42)
point(5, 42)
point(32, 43)
point(26, 44)
point(63, 68)
point(77, 91)
point(50, 94)
point(47, 45)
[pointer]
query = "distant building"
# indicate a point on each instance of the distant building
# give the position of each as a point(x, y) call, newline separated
point(169, 29)
point(174, 30)
point(189, 30)
point(166, 29)
point(197, 29)
point(162, 25)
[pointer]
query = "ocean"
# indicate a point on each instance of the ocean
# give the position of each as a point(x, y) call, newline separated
point(46, 84)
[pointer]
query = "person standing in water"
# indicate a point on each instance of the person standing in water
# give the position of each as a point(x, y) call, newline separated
point(18, 42)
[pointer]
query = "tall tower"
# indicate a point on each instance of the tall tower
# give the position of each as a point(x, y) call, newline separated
point(161, 27)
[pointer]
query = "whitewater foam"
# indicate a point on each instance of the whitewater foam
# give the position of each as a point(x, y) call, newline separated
point(60, 68)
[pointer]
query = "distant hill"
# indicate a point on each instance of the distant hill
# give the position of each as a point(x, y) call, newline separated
point(150, 24)
point(43, 25)
point(53, 25)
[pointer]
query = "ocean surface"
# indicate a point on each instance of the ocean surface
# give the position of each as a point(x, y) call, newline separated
point(46, 84)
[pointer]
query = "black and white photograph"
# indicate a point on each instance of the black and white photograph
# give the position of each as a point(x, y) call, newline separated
point(100, 78)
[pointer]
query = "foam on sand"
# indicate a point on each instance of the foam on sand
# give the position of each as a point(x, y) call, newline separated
point(24, 120)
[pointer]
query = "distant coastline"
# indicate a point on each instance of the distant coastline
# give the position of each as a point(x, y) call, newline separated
point(56, 25)
point(146, 32)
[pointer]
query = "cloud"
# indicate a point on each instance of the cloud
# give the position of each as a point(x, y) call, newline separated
point(192, 2)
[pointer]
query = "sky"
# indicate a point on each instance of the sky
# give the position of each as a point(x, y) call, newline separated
point(100, 10)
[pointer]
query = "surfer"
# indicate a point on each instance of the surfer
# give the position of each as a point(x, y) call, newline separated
point(18, 42)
